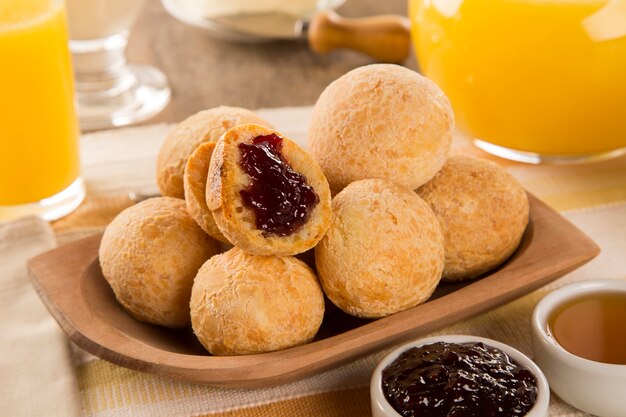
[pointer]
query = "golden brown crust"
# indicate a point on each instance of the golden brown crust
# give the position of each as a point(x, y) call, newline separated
point(381, 121)
point(182, 140)
point(483, 212)
point(195, 180)
point(383, 252)
point(244, 304)
point(150, 254)
point(237, 222)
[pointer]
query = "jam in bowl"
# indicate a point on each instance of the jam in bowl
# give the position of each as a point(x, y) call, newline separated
point(461, 376)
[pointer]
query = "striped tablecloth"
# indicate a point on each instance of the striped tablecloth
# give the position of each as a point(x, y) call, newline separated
point(117, 162)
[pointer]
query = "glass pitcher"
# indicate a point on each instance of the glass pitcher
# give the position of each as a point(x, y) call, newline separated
point(530, 80)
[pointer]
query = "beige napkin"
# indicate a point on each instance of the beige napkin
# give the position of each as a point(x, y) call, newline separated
point(36, 374)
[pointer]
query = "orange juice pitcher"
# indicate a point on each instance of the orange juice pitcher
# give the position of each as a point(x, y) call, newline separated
point(531, 80)
point(39, 162)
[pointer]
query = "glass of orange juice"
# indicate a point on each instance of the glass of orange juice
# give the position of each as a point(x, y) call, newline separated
point(39, 161)
point(531, 80)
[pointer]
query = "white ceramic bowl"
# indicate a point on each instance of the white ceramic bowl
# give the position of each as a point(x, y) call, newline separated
point(595, 387)
point(382, 408)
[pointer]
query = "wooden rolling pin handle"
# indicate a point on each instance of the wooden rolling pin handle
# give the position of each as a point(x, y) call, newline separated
point(386, 38)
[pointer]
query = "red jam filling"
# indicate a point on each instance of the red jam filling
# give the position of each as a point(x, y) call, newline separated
point(458, 380)
point(280, 198)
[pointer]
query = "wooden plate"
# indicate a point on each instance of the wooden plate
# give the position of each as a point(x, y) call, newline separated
point(70, 283)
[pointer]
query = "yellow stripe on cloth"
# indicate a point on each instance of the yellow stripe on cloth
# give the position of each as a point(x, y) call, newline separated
point(576, 187)
point(109, 390)
point(106, 386)
point(579, 200)
point(563, 187)
point(353, 402)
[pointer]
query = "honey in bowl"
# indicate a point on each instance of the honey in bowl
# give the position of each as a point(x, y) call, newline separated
point(592, 327)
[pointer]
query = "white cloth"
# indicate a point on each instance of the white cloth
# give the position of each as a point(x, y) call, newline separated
point(36, 373)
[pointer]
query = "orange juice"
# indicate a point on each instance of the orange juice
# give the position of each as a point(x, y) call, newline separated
point(540, 76)
point(38, 125)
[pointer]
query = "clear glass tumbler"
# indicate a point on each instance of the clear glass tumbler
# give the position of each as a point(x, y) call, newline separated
point(39, 159)
point(110, 92)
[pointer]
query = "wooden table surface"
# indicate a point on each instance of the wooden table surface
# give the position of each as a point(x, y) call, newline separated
point(205, 72)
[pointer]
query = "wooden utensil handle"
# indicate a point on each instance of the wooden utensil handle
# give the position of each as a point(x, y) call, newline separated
point(386, 38)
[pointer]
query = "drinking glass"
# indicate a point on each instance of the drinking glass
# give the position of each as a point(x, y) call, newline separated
point(39, 160)
point(110, 92)
point(534, 81)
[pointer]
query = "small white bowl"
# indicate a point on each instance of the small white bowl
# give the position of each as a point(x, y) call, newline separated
point(382, 408)
point(595, 387)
